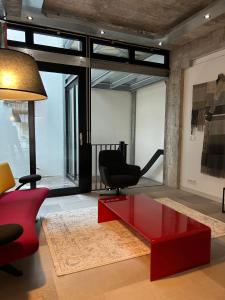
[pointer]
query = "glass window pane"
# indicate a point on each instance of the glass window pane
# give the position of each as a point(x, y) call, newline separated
point(56, 41)
point(14, 136)
point(16, 35)
point(110, 50)
point(149, 57)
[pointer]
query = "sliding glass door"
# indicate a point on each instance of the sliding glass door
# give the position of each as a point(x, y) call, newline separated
point(59, 122)
point(50, 137)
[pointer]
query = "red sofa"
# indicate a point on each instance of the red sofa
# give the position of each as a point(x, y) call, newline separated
point(21, 207)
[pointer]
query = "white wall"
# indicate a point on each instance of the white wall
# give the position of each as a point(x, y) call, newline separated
point(150, 122)
point(110, 119)
point(204, 70)
point(111, 116)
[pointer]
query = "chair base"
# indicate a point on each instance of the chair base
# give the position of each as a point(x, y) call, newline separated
point(112, 192)
point(11, 270)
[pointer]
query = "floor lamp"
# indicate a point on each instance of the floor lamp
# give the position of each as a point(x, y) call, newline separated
point(19, 77)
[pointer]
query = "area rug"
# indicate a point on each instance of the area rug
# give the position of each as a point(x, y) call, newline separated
point(77, 242)
point(217, 227)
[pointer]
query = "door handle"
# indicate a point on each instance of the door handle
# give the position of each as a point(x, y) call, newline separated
point(81, 138)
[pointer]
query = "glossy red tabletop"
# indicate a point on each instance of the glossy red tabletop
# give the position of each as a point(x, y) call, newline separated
point(150, 218)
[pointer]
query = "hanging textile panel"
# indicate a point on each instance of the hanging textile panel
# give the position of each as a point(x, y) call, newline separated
point(208, 114)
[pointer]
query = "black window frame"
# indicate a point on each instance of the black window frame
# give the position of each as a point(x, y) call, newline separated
point(162, 52)
point(29, 40)
point(111, 44)
point(85, 40)
point(131, 53)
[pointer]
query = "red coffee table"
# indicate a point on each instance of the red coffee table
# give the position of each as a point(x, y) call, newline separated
point(177, 242)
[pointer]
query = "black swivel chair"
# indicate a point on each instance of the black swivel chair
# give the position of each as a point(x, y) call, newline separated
point(115, 173)
point(8, 234)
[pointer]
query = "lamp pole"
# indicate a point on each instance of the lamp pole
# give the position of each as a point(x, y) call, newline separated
point(3, 34)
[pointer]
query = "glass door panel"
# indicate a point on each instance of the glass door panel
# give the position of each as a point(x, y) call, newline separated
point(51, 139)
point(71, 134)
point(72, 130)
point(14, 136)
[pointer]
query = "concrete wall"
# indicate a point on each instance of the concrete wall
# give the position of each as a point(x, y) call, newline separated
point(150, 122)
point(180, 59)
point(203, 70)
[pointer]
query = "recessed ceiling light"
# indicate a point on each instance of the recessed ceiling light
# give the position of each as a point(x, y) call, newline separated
point(207, 16)
point(102, 31)
point(29, 18)
point(160, 43)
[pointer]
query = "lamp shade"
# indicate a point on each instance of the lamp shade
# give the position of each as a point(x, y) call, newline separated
point(19, 77)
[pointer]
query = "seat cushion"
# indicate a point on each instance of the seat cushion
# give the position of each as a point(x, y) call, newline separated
point(123, 180)
point(117, 169)
point(21, 207)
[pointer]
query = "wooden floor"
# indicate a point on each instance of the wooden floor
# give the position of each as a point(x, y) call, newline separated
point(127, 280)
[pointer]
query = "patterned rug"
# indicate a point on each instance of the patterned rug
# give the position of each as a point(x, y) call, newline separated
point(77, 242)
point(217, 227)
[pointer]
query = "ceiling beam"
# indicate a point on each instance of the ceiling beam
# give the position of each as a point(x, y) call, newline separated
point(129, 68)
point(100, 78)
point(216, 9)
point(122, 80)
point(106, 86)
point(146, 81)
point(56, 58)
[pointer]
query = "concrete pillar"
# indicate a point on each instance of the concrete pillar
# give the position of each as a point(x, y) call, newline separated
point(133, 127)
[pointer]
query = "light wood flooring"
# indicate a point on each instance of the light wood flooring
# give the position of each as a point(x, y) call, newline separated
point(127, 280)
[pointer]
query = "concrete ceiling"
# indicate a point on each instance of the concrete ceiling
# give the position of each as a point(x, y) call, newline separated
point(156, 17)
point(201, 31)
point(146, 22)
point(12, 7)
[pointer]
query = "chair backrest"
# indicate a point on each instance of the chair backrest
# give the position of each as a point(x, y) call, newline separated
point(7, 180)
point(109, 158)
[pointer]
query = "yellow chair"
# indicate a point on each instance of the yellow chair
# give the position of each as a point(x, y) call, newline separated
point(7, 180)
